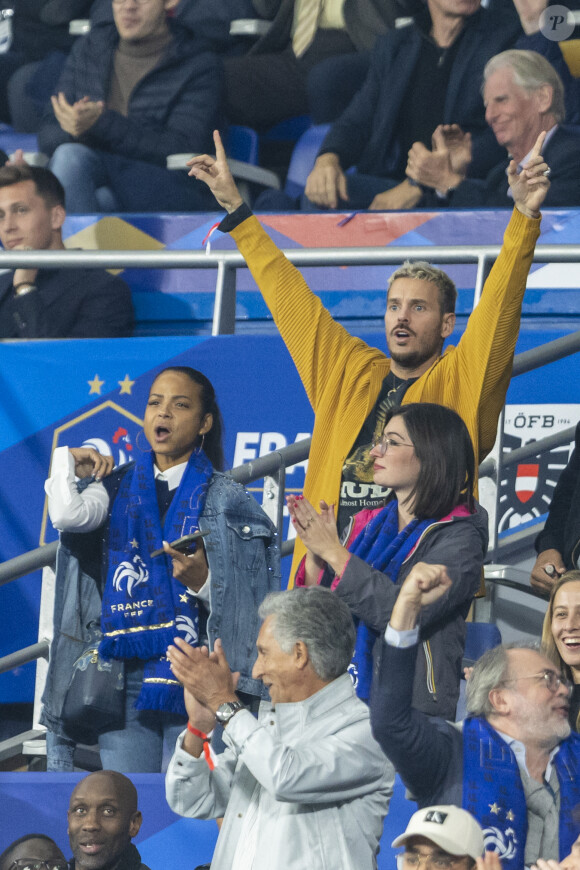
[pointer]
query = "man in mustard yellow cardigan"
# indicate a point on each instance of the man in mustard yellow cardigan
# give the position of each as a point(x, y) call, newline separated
point(351, 385)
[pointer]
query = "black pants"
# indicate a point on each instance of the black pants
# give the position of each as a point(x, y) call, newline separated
point(263, 89)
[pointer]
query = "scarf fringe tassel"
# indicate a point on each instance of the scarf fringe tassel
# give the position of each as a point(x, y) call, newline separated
point(151, 645)
point(161, 697)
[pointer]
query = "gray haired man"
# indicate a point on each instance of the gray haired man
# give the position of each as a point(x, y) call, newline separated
point(524, 96)
point(306, 778)
point(513, 764)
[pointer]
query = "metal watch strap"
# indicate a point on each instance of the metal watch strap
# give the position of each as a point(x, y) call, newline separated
point(227, 711)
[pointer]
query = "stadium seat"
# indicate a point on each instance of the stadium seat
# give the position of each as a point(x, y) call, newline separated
point(11, 141)
point(480, 637)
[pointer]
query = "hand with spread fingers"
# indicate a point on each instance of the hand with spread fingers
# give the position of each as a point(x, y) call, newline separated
point(459, 146)
point(76, 118)
point(318, 531)
point(90, 463)
point(530, 186)
point(191, 569)
point(200, 716)
point(207, 677)
point(215, 172)
point(435, 168)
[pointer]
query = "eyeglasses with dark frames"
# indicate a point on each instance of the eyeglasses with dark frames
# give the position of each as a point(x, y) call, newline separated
point(34, 864)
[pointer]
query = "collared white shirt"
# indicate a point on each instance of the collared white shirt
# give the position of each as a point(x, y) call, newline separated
point(73, 511)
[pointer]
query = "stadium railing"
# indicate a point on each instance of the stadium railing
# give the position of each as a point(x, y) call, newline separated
point(272, 468)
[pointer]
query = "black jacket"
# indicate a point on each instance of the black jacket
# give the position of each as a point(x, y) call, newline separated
point(129, 860)
point(364, 20)
point(173, 109)
point(365, 135)
point(562, 529)
point(68, 303)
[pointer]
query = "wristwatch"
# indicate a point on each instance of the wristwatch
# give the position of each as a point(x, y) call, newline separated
point(227, 711)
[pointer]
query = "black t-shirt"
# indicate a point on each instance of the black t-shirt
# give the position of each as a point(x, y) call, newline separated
point(357, 490)
point(423, 105)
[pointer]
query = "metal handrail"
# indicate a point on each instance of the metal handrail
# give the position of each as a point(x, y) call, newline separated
point(43, 556)
point(355, 256)
point(524, 362)
point(24, 656)
point(227, 263)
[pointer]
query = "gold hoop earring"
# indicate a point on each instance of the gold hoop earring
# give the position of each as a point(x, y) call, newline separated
point(148, 449)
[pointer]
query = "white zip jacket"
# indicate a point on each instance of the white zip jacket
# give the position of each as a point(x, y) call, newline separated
point(324, 784)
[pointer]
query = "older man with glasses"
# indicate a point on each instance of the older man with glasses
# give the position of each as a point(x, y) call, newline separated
point(513, 764)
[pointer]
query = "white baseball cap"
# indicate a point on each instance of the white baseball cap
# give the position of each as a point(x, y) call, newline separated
point(452, 829)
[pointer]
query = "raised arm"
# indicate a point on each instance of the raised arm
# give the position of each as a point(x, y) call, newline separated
point(215, 172)
point(69, 509)
point(320, 347)
point(419, 748)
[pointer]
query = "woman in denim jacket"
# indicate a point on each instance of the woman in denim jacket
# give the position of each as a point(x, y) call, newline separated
point(110, 522)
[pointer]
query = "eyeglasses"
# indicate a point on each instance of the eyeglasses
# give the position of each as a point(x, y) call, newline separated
point(552, 680)
point(384, 443)
point(33, 864)
point(436, 860)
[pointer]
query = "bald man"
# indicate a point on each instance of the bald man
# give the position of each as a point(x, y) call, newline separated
point(102, 820)
point(33, 849)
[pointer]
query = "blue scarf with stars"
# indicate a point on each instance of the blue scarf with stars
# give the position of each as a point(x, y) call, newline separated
point(494, 794)
point(384, 547)
point(144, 606)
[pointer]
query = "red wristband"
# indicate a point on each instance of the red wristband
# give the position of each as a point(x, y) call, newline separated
point(205, 739)
point(197, 732)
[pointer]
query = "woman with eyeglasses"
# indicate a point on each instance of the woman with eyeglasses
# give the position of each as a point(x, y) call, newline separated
point(561, 636)
point(429, 519)
point(117, 568)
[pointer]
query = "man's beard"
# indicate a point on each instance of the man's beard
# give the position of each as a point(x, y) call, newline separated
point(415, 359)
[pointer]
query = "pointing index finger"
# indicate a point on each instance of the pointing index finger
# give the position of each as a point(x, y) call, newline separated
point(220, 151)
point(537, 149)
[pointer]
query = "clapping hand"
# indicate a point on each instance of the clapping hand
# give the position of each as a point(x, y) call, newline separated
point(76, 118)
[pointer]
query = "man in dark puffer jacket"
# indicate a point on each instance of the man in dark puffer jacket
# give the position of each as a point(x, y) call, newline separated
point(132, 93)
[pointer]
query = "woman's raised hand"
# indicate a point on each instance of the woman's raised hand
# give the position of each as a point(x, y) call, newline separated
point(90, 463)
point(318, 530)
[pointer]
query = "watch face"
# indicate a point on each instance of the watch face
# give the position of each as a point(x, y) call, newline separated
point(225, 711)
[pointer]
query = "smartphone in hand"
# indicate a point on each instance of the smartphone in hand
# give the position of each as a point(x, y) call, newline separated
point(182, 544)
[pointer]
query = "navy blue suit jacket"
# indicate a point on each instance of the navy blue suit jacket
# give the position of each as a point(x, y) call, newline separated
point(562, 154)
point(365, 135)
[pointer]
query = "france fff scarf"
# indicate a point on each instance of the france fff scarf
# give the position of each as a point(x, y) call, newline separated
point(144, 606)
point(382, 546)
point(494, 794)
